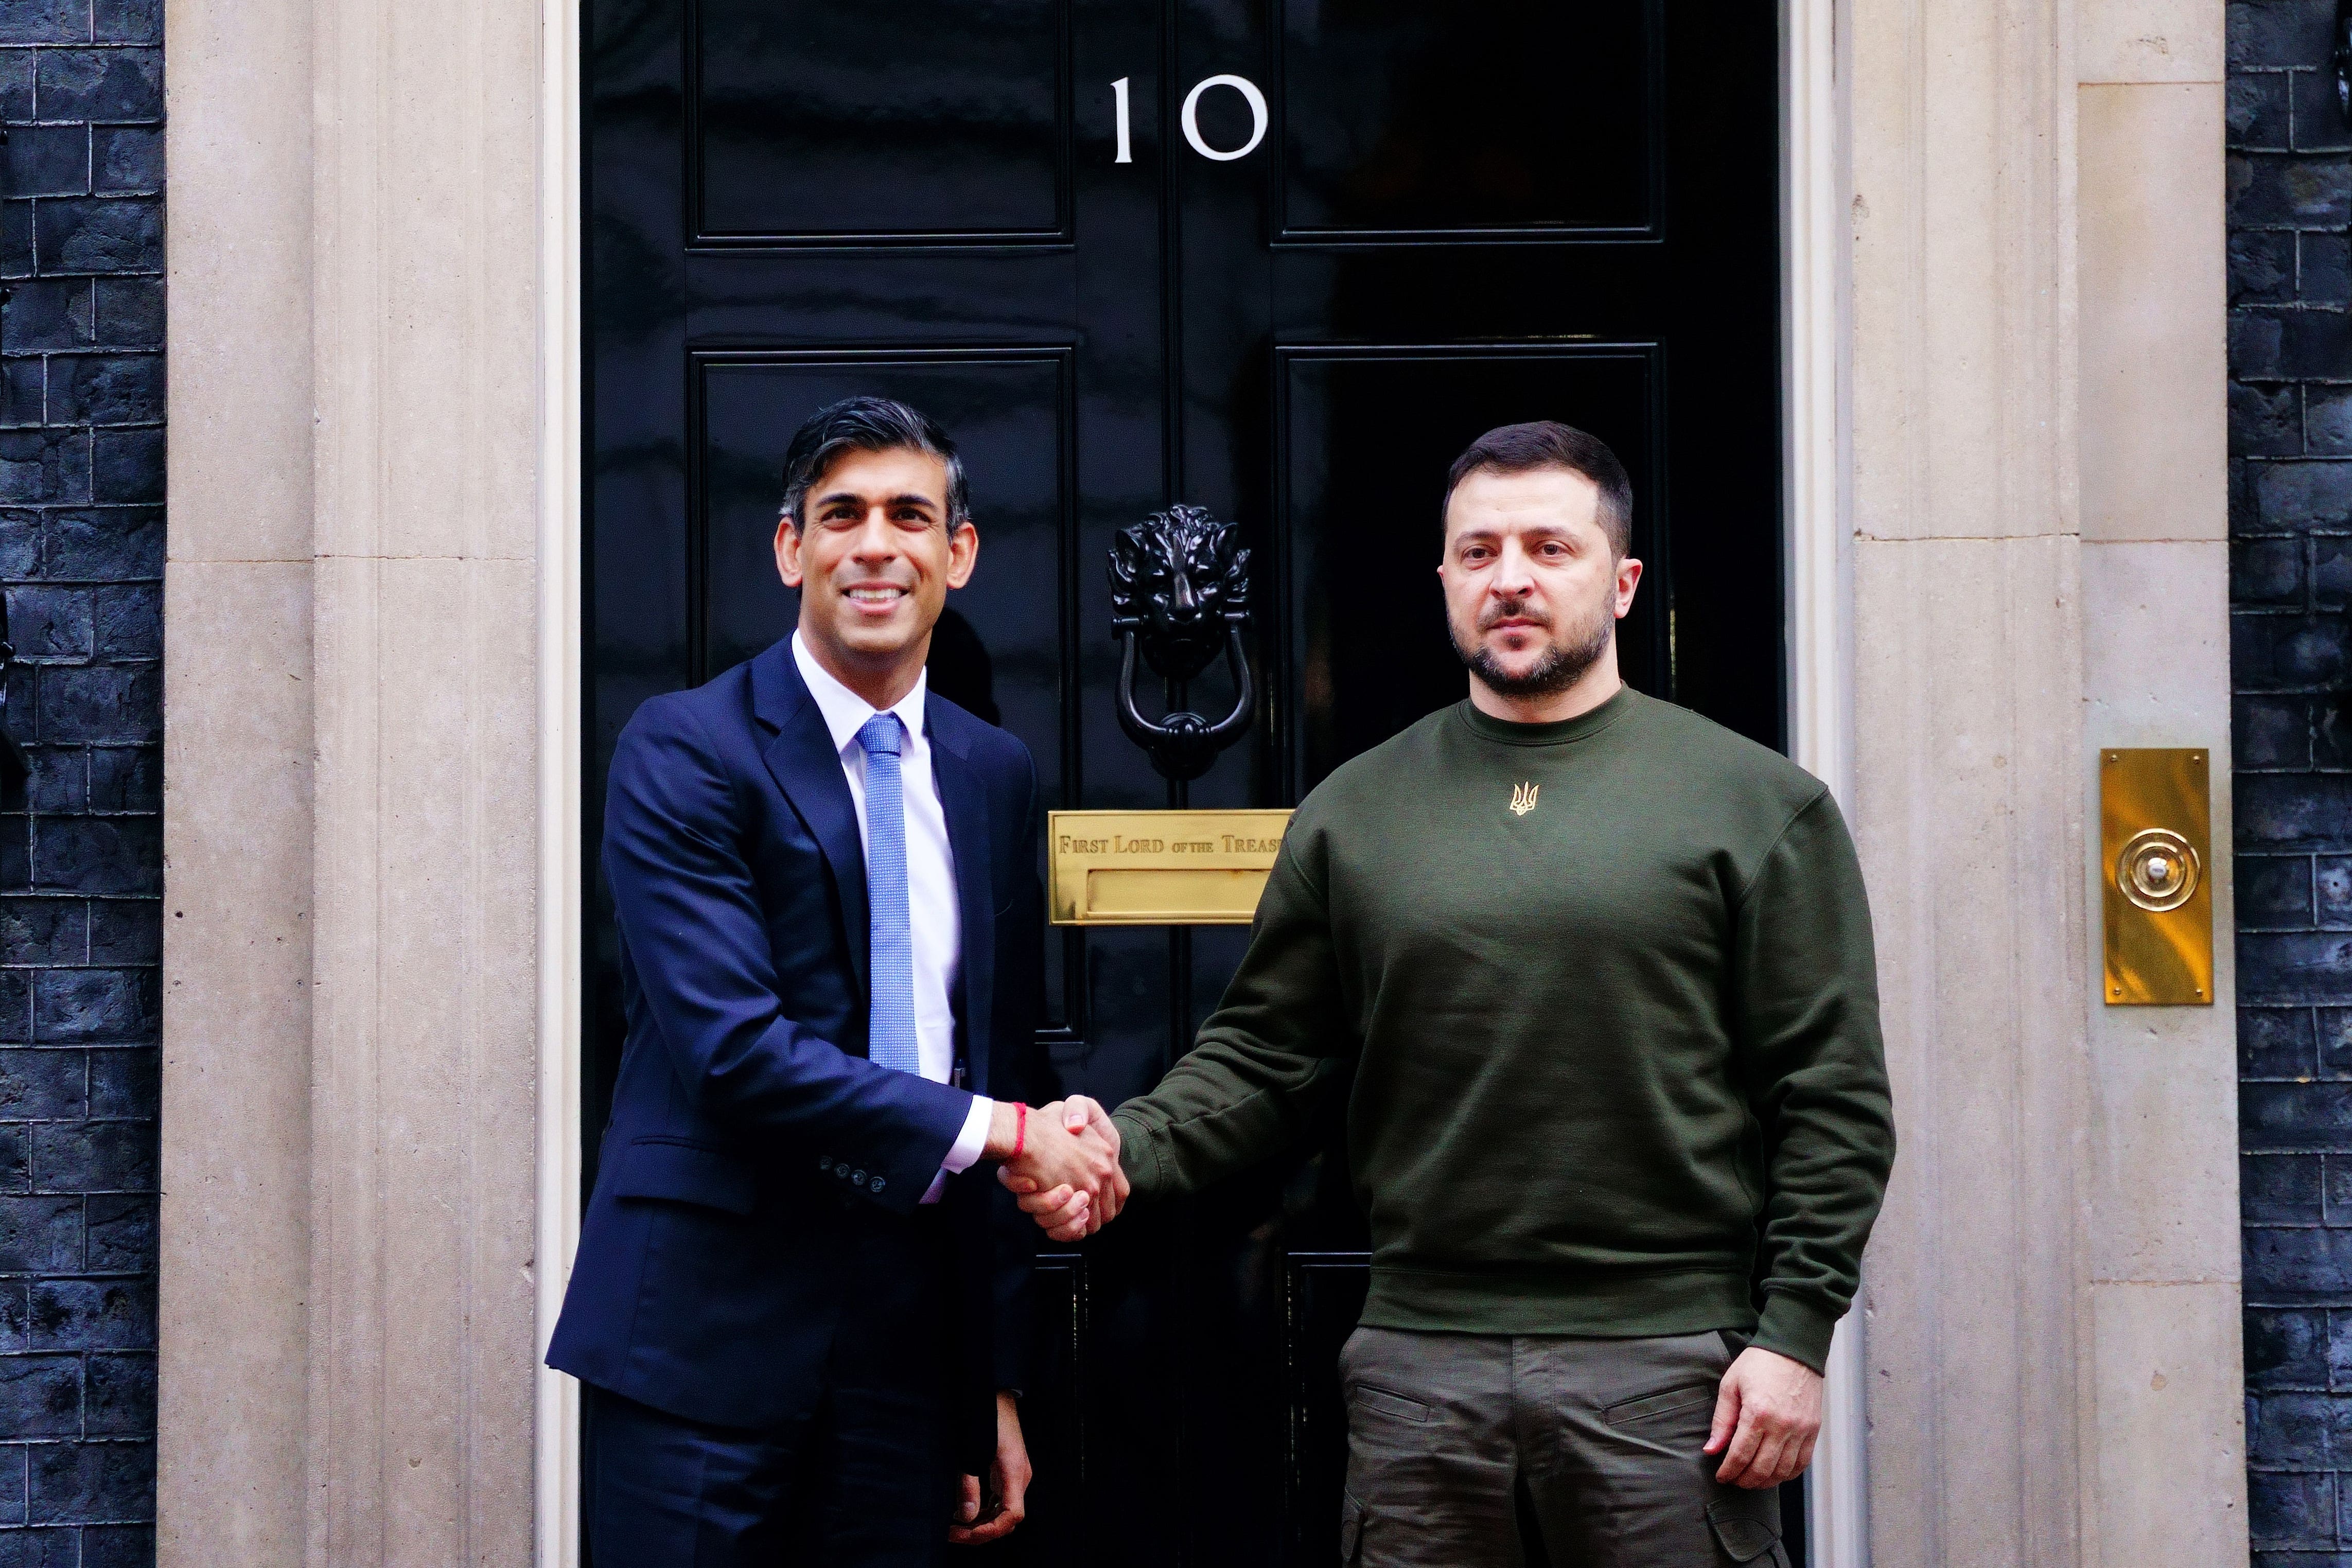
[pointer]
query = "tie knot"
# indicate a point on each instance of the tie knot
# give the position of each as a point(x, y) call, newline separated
point(880, 734)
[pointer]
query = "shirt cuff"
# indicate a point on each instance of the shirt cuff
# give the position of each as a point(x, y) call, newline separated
point(968, 1146)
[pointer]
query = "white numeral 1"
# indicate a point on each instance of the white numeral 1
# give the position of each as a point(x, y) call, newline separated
point(1119, 93)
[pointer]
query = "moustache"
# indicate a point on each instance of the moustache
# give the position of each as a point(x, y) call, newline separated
point(1492, 615)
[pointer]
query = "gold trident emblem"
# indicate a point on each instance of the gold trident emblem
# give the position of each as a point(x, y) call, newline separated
point(1523, 799)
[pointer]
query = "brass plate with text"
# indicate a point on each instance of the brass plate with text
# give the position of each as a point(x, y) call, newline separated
point(2156, 875)
point(1159, 868)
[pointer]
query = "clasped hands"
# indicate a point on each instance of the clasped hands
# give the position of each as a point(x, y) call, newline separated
point(1067, 1176)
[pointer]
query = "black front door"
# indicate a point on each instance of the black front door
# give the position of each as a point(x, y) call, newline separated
point(1279, 258)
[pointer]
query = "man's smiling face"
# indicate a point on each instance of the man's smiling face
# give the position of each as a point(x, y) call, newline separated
point(877, 557)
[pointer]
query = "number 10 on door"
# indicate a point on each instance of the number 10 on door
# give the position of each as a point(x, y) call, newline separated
point(1190, 118)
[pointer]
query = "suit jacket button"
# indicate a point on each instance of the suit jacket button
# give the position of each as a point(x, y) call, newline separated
point(857, 1178)
point(824, 1162)
point(877, 1183)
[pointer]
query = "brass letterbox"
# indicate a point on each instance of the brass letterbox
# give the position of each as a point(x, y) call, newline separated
point(2155, 851)
point(1159, 868)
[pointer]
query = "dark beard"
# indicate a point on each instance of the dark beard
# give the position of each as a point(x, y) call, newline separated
point(1561, 667)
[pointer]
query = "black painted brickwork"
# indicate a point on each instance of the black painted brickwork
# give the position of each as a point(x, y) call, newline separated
point(81, 561)
point(2291, 666)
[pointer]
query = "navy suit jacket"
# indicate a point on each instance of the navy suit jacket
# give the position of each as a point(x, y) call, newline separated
point(749, 1135)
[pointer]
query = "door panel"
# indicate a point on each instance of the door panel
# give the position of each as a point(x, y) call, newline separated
point(1368, 632)
point(803, 132)
point(1449, 218)
point(1402, 124)
point(1003, 654)
point(1011, 412)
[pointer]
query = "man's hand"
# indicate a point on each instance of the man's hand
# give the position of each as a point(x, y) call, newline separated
point(1067, 1211)
point(1768, 1412)
point(1068, 1167)
point(989, 1514)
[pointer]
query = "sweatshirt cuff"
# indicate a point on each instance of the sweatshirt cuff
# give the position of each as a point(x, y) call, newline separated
point(1136, 1155)
point(1797, 1328)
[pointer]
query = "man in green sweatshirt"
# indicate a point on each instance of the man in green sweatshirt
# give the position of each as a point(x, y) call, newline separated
point(1619, 1116)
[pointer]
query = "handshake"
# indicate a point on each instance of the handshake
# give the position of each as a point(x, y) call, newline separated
point(1064, 1164)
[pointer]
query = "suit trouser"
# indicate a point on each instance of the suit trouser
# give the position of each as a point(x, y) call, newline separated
point(865, 1481)
point(1603, 1436)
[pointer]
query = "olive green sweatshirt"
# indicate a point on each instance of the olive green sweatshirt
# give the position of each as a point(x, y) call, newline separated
point(1607, 988)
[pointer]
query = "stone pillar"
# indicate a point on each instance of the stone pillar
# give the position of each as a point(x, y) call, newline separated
point(236, 1251)
point(424, 1041)
point(355, 343)
point(1968, 757)
point(2169, 1485)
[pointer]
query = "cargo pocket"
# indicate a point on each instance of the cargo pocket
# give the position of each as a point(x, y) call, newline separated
point(1387, 1433)
point(1748, 1527)
point(1371, 1398)
point(1351, 1531)
point(1665, 1402)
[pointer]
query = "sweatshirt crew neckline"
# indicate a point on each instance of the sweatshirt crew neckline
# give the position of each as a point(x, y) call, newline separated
point(1559, 732)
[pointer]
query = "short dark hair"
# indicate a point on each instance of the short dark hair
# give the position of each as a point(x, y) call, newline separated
point(1548, 443)
point(867, 425)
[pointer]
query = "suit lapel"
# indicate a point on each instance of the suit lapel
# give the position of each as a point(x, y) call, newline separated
point(965, 802)
point(807, 768)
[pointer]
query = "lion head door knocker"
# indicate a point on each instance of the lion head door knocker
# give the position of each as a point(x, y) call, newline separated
point(1179, 590)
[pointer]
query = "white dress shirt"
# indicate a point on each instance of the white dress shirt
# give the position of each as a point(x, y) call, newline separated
point(932, 909)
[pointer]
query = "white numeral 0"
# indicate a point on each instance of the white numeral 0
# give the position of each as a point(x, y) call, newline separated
point(1191, 118)
point(1256, 100)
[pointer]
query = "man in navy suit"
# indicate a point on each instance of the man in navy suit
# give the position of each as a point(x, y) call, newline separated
point(800, 1311)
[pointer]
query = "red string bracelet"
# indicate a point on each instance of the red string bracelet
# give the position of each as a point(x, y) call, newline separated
point(1020, 1129)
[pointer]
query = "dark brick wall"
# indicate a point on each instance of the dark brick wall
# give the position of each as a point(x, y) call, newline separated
point(81, 562)
point(2291, 665)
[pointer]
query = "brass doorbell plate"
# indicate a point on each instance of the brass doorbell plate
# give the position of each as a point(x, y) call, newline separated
point(2155, 847)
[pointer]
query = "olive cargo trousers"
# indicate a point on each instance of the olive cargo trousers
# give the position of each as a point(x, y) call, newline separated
point(1604, 1434)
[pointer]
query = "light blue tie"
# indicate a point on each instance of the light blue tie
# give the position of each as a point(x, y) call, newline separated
point(890, 1020)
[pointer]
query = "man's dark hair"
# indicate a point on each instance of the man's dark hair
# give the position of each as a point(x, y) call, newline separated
point(1547, 443)
point(867, 425)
